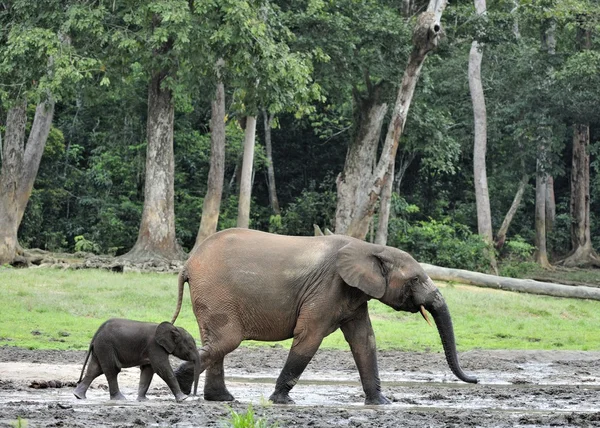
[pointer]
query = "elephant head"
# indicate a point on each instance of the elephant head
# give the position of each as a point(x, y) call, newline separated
point(395, 278)
point(180, 343)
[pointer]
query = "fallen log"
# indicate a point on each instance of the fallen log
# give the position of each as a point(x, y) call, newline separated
point(511, 284)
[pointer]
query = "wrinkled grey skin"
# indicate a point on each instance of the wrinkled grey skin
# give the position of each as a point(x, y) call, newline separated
point(246, 284)
point(121, 343)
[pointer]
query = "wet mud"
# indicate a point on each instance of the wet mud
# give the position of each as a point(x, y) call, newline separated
point(517, 388)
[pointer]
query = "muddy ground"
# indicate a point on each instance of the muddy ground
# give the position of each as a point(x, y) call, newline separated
point(517, 388)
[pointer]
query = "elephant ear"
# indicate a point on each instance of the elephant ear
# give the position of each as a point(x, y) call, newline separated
point(167, 336)
point(360, 265)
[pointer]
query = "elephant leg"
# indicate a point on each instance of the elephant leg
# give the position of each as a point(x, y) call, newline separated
point(214, 385)
point(361, 338)
point(307, 339)
point(224, 340)
point(92, 372)
point(164, 370)
point(113, 385)
point(145, 378)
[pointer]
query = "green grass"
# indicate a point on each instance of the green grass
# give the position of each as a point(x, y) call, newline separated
point(246, 419)
point(61, 309)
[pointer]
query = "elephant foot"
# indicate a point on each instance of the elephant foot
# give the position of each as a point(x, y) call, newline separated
point(218, 396)
point(79, 393)
point(118, 397)
point(180, 397)
point(142, 398)
point(281, 398)
point(377, 400)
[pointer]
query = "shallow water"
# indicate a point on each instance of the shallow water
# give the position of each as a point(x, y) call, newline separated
point(515, 389)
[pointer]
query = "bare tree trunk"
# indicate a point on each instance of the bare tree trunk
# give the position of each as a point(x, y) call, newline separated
point(268, 121)
point(403, 164)
point(384, 207)
point(243, 219)
point(541, 253)
point(353, 183)
point(550, 203)
point(501, 235)
point(216, 174)
point(156, 238)
point(482, 198)
point(355, 208)
point(582, 253)
point(20, 164)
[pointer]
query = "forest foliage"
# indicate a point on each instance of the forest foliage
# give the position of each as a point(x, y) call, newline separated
point(88, 195)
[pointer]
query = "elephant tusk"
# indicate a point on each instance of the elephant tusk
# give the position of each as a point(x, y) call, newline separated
point(425, 315)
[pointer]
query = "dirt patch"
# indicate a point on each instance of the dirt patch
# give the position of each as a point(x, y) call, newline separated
point(517, 388)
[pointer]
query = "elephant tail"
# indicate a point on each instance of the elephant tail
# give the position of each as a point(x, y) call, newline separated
point(182, 279)
point(87, 357)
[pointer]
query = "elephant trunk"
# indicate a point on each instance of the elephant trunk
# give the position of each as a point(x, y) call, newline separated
point(441, 315)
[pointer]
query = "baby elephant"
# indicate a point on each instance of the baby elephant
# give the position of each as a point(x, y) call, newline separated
point(121, 343)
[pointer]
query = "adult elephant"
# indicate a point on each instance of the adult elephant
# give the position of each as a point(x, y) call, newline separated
point(246, 284)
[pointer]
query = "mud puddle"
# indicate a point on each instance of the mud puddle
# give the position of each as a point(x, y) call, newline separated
point(533, 389)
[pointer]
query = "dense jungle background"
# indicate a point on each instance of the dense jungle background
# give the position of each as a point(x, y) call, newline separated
point(308, 74)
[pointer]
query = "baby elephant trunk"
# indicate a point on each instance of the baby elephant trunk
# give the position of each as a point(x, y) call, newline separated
point(197, 371)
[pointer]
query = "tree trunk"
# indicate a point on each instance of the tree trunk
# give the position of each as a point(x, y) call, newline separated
point(501, 235)
point(358, 189)
point(541, 253)
point(354, 182)
point(216, 174)
point(243, 219)
point(480, 142)
point(510, 284)
point(582, 253)
point(156, 238)
point(384, 207)
point(482, 198)
point(268, 121)
point(20, 164)
point(550, 203)
point(405, 160)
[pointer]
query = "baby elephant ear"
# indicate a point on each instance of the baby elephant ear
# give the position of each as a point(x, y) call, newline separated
point(167, 336)
point(359, 266)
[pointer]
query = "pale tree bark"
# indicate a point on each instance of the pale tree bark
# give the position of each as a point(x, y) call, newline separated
point(20, 164)
point(243, 219)
point(156, 238)
point(582, 253)
point(550, 203)
point(268, 121)
point(216, 173)
point(358, 187)
point(541, 253)
point(482, 198)
point(353, 183)
point(543, 181)
point(549, 44)
point(501, 235)
point(403, 163)
point(385, 207)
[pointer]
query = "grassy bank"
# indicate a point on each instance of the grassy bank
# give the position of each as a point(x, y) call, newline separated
point(56, 309)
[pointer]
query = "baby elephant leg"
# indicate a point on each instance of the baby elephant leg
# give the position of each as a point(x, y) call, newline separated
point(113, 385)
point(145, 378)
